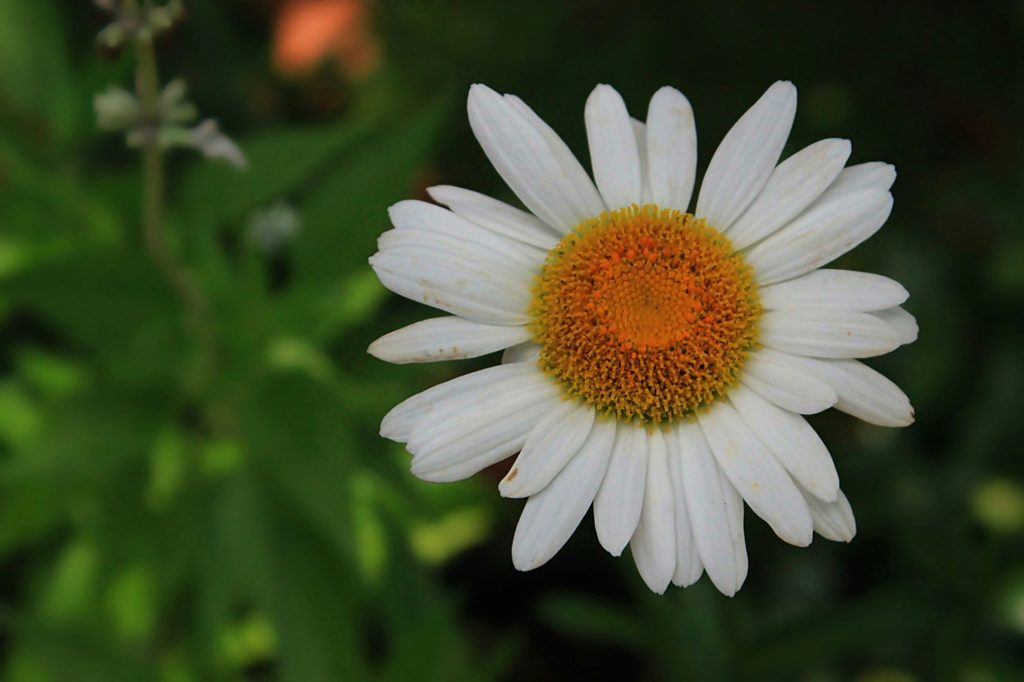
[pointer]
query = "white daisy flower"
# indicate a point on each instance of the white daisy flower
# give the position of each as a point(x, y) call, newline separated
point(657, 362)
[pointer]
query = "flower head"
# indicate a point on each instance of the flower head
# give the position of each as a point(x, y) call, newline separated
point(657, 361)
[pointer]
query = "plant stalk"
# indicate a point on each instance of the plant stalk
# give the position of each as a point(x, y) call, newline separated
point(147, 85)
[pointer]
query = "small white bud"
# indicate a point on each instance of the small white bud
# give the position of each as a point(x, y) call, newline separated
point(116, 109)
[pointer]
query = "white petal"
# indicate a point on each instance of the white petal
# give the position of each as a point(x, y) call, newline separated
point(873, 175)
point(585, 193)
point(783, 380)
point(613, 150)
point(399, 423)
point(654, 543)
point(432, 244)
point(825, 333)
point(555, 440)
point(688, 565)
point(841, 289)
point(902, 322)
point(792, 440)
point(745, 158)
point(734, 515)
point(832, 520)
point(451, 415)
point(412, 214)
point(863, 392)
point(552, 515)
point(621, 496)
point(713, 506)
point(535, 164)
point(496, 216)
point(820, 234)
point(465, 282)
point(528, 351)
point(672, 149)
point(475, 429)
point(793, 186)
point(756, 474)
point(445, 338)
point(640, 132)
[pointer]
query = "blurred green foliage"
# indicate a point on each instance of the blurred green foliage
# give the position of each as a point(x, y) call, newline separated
point(181, 514)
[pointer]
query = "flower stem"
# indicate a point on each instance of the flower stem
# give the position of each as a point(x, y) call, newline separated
point(148, 89)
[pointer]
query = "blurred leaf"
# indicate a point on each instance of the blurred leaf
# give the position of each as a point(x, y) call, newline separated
point(59, 651)
point(51, 374)
point(72, 587)
point(113, 303)
point(167, 463)
point(300, 437)
point(999, 505)
point(19, 417)
point(836, 631)
point(297, 576)
point(132, 602)
point(591, 619)
point(87, 444)
point(347, 211)
point(279, 163)
point(437, 541)
point(35, 73)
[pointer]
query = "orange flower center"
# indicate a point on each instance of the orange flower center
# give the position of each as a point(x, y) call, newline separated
point(646, 313)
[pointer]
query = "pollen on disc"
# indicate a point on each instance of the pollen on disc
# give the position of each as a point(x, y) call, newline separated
point(646, 313)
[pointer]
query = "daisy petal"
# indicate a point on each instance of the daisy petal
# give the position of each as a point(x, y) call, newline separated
point(672, 149)
point(621, 496)
point(756, 474)
point(399, 423)
point(613, 149)
point(437, 276)
point(837, 289)
point(781, 379)
point(552, 515)
point(734, 515)
point(555, 440)
point(640, 132)
point(792, 440)
point(688, 565)
point(445, 338)
point(853, 179)
point(475, 429)
point(585, 193)
point(902, 322)
point(496, 216)
point(793, 186)
point(654, 543)
point(744, 160)
point(420, 216)
point(826, 333)
point(528, 351)
point(712, 504)
point(863, 392)
point(832, 520)
point(820, 234)
point(535, 164)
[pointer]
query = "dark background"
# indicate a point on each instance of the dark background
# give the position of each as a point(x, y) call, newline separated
point(180, 510)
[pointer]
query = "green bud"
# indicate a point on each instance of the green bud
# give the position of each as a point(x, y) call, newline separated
point(116, 109)
point(112, 36)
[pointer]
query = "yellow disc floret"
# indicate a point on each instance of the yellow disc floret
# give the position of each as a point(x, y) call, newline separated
point(646, 313)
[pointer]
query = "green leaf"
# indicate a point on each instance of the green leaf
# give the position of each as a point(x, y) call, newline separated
point(347, 210)
point(59, 651)
point(113, 303)
point(35, 71)
point(279, 162)
point(266, 548)
point(591, 620)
